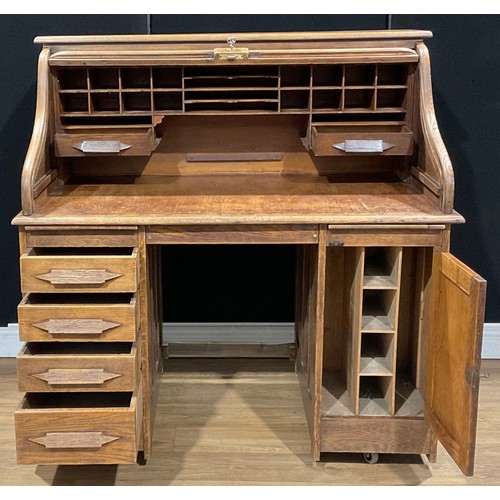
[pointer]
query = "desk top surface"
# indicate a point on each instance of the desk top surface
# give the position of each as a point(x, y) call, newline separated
point(237, 199)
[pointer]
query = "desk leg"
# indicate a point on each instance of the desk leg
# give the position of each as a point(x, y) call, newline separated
point(311, 266)
point(151, 328)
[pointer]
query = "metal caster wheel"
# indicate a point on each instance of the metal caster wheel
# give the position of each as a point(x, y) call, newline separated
point(141, 460)
point(370, 458)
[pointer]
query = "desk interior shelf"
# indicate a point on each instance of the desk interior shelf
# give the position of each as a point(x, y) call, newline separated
point(296, 89)
point(363, 377)
point(381, 270)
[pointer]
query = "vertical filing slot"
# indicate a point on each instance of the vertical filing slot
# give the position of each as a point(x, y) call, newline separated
point(136, 101)
point(72, 79)
point(136, 78)
point(326, 100)
point(327, 75)
point(167, 78)
point(374, 393)
point(295, 99)
point(167, 101)
point(105, 102)
point(377, 354)
point(103, 78)
point(74, 103)
point(379, 311)
point(295, 76)
point(359, 75)
point(392, 74)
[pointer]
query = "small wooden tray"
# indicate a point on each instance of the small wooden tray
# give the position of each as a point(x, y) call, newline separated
point(77, 428)
point(92, 142)
point(330, 140)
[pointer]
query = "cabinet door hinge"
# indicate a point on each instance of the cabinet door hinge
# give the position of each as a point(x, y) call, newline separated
point(472, 377)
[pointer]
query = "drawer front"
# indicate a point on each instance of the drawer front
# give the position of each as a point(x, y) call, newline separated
point(244, 234)
point(78, 273)
point(92, 143)
point(87, 236)
point(77, 372)
point(326, 143)
point(73, 435)
point(386, 235)
point(76, 322)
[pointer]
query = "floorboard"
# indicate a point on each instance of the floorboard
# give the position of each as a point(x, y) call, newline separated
point(241, 422)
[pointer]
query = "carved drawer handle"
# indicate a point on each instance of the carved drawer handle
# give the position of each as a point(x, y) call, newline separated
point(58, 377)
point(363, 146)
point(101, 146)
point(78, 276)
point(76, 326)
point(73, 440)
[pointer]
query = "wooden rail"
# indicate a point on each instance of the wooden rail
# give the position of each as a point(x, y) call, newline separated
point(435, 150)
point(35, 157)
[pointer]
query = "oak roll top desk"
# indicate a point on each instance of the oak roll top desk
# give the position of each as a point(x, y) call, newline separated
point(324, 141)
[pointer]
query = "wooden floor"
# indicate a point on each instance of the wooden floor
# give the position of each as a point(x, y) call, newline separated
point(241, 422)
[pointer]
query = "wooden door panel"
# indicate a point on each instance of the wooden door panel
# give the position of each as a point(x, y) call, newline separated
point(151, 330)
point(310, 334)
point(454, 356)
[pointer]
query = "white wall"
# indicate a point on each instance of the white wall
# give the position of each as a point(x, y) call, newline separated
point(260, 333)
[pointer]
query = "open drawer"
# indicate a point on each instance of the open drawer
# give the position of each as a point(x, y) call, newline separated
point(79, 270)
point(108, 142)
point(85, 366)
point(78, 317)
point(353, 139)
point(78, 428)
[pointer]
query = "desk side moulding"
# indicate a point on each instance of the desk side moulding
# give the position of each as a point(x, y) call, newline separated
point(324, 141)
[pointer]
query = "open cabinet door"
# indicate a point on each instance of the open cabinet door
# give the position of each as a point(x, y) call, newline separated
point(456, 316)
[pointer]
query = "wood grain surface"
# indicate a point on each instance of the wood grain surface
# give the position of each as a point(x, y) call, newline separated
point(83, 237)
point(226, 199)
point(35, 160)
point(78, 273)
point(456, 319)
point(221, 37)
point(113, 420)
point(36, 371)
point(247, 234)
point(41, 320)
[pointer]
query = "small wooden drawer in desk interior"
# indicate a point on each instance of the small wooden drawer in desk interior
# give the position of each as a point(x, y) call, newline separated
point(115, 142)
point(78, 317)
point(78, 367)
point(79, 270)
point(355, 139)
point(79, 428)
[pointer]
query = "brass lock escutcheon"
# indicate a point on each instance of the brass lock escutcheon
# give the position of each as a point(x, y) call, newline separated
point(231, 53)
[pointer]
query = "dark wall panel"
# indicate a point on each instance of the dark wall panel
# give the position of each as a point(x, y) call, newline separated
point(234, 283)
point(17, 104)
point(184, 23)
point(466, 81)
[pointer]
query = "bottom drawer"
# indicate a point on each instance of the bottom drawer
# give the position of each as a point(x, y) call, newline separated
point(78, 428)
point(375, 435)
